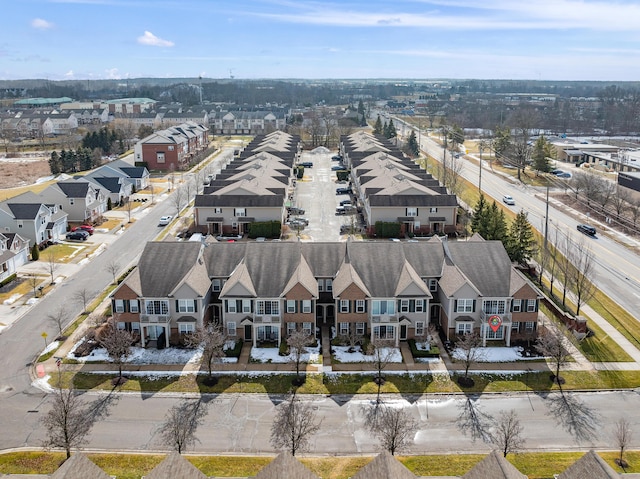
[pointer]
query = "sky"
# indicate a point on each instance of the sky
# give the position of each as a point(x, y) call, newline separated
point(351, 39)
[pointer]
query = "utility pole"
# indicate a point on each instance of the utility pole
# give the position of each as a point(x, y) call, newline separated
point(481, 147)
point(546, 219)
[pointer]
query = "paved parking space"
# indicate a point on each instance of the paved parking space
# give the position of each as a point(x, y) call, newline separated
point(316, 194)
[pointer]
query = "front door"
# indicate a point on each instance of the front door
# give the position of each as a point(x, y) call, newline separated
point(248, 329)
point(403, 331)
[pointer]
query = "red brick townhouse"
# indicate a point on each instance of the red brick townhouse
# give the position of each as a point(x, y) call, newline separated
point(262, 291)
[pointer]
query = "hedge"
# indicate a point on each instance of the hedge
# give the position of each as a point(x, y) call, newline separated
point(8, 279)
point(235, 352)
point(434, 352)
point(387, 230)
point(267, 229)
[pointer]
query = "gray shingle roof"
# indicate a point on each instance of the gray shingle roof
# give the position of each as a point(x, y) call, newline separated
point(385, 466)
point(78, 466)
point(241, 201)
point(164, 264)
point(24, 211)
point(74, 189)
point(589, 466)
point(175, 466)
point(285, 466)
point(495, 466)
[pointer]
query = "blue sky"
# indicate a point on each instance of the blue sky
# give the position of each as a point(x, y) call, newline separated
point(514, 39)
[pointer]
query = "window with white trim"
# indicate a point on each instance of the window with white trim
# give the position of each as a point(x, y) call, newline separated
point(412, 212)
point(360, 329)
point(291, 306)
point(186, 328)
point(306, 328)
point(529, 326)
point(344, 305)
point(531, 305)
point(119, 305)
point(135, 326)
point(217, 210)
point(464, 306)
point(268, 308)
point(404, 305)
point(320, 285)
point(291, 327)
point(464, 328)
point(433, 284)
point(231, 306)
point(156, 306)
point(216, 285)
point(344, 328)
point(419, 305)
point(134, 306)
point(240, 212)
point(433, 209)
point(328, 285)
point(360, 306)
point(383, 306)
point(419, 328)
point(160, 157)
point(186, 306)
point(517, 305)
point(490, 334)
point(515, 327)
point(231, 328)
point(494, 306)
point(306, 305)
point(246, 305)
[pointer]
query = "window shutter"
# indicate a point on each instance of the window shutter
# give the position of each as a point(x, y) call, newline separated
point(455, 305)
point(537, 302)
point(297, 304)
point(195, 305)
point(126, 306)
point(473, 306)
point(177, 306)
point(412, 305)
point(226, 305)
point(238, 305)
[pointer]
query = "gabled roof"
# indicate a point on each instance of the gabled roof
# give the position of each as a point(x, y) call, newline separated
point(164, 264)
point(409, 277)
point(239, 277)
point(74, 188)
point(589, 466)
point(304, 277)
point(285, 466)
point(24, 211)
point(495, 466)
point(385, 466)
point(78, 466)
point(345, 277)
point(112, 185)
point(175, 466)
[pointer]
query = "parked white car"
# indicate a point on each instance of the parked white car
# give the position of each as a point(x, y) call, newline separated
point(507, 199)
point(164, 221)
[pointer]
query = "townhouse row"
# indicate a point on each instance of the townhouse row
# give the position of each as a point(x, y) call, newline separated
point(261, 292)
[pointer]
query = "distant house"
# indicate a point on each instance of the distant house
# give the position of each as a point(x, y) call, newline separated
point(173, 148)
point(138, 175)
point(79, 198)
point(33, 218)
point(14, 252)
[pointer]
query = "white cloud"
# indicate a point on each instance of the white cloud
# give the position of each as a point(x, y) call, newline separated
point(69, 74)
point(41, 24)
point(150, 39)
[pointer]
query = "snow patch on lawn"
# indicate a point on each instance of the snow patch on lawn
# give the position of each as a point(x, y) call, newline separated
point(270, 355)
point(342, 354)
point(145, 356)
point(495, 355)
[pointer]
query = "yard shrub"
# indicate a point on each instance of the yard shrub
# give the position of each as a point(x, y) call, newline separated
point(387, 230)
point(235, 351)
point(35, 253)
point(8, 279)
point(266, 229)
point(434, 352)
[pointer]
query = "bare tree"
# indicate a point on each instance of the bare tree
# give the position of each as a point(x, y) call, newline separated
point(508, 432)
point(58, 317)
point(473, 421)
point(113, 267)
point(382, 351)
point(178, 199)
point(582, 273)
point(117, 343)
point(212, 340)
point(33, 281)
point(128, 205)
point(576, 417)
point(178, 431)
point(297, 341)
point(83, 296)
point(393, 426)
point(52, 266)
point(293, 425)
point(470, 353)
point(621, 199)
point(152, 191)
point(622, 436)
point(70, 418)
point(552, 345)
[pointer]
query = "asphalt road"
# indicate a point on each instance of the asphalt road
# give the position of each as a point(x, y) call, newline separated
point(617, 271)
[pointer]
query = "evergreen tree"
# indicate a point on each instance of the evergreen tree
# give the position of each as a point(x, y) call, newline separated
point(497, 224)
point(363, 121)
point(377, 128)
point(385, 129)
point(520, 244)
point(361, 107)
point(391, 130)
point(35, 253)
point(479, 221)
point(85, 159)
point(54, 163)
point(412, 145)
point(542, 152)
point(501, 140)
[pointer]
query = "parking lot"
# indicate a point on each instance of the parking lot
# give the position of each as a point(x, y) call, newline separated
point(316, 194)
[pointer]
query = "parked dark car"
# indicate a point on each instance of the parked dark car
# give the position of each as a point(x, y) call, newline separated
point(586, 229)
point(344, 191)
point(338, 167)
point(307, 164)
point(336, 158)
point(88, 228)
point(79, 235)
point(345, 202)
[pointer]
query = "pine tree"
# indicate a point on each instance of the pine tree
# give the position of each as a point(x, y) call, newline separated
point(54, 163)
point(497, 224)
point(412, 144)
point(520, 244)
point(35, 253)
point(391, 130)
point(479, 221)
point(361, 107)
point(377, 128)
point(542, 151)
